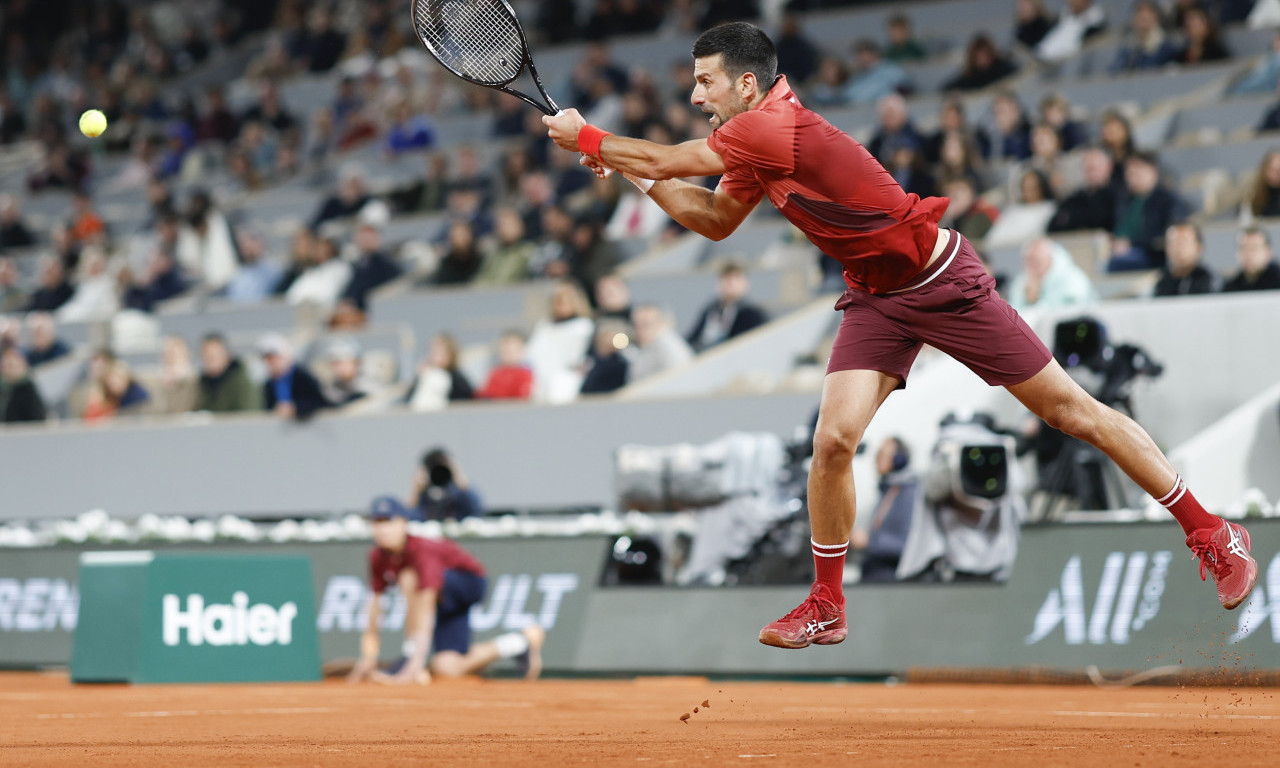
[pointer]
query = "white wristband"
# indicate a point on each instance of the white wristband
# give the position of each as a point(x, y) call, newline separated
point(644, 185)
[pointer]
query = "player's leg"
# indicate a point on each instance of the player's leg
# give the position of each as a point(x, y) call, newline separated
point(849, 400)
point(455, 654)
point(1223, 547)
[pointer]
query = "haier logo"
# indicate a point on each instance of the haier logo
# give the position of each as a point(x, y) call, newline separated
point(38, 605)
point(236, 624)
point(1259, 609)
point(1128, 597)
point(516, 601)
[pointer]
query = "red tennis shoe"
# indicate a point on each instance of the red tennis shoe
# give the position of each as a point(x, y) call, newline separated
point(1224, 552)
point(818, 620)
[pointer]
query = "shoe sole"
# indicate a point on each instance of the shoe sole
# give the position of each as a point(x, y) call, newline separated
point(1253, 572)
point(830, 637)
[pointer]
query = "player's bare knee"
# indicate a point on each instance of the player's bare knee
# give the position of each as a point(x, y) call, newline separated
point(446, 666)
point(834, 445)
point(1080, 420)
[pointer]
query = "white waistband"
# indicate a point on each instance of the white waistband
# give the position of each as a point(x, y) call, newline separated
point(954, 247)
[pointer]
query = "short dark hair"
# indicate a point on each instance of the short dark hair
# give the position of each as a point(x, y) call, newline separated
point(744, 48)
point(1258, 231)
point(214, 337)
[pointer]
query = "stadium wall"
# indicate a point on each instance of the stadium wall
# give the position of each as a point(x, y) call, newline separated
point(1119, 597)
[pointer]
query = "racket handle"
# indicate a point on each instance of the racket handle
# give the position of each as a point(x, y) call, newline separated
point(607, 170)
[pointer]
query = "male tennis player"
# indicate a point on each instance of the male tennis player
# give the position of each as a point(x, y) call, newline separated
point(909, 283)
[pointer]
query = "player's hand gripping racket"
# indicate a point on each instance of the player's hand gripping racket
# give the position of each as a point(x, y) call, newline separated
point(482, 42)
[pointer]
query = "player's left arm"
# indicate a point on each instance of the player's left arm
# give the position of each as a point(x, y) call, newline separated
point(638, 157)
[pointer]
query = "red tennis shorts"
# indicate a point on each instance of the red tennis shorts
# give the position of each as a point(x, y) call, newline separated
point(958, 312)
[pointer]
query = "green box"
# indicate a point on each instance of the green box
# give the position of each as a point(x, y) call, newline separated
point(183, 618)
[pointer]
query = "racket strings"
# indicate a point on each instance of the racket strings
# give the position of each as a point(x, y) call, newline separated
point(478, 39)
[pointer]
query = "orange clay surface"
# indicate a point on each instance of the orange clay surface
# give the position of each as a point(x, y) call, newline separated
point(44, 720)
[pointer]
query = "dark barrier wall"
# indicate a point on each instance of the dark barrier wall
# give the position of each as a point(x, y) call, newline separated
point(1119, 597)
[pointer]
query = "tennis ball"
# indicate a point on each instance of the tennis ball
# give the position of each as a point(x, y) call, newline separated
point(93, 123)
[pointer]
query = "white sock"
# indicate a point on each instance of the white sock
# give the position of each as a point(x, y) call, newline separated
point(511, 644)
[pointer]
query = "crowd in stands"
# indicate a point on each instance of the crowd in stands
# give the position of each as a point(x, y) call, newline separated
point(508, 208)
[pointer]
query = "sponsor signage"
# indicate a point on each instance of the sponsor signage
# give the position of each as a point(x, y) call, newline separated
point(195, 617)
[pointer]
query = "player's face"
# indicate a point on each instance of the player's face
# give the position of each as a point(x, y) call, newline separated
point(714, 92)
point(390, 533)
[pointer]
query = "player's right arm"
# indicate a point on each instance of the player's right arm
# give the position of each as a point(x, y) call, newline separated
point(712, 214)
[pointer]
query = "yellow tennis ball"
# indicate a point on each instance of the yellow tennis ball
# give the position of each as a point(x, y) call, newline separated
point(93, 123)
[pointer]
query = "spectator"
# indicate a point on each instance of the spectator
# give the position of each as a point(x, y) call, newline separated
point(1259, 270)
point(19, 398)
point(1034, 187)
point(952, 120)
point(372, 267)
point(1146, 45)
point(730, 314)
point(797, 55)
point(873, 77)
point(45, 344)
point(1011, 139)
point(658, 346)
point(1055, 112)
point(270, 110)
point(559, 344)
point(1265, 75)
point(1050, 279)
point(1093, 206)
point(1183, 274)
point(895, 129)
point(13, 231)
point(508, 261)
point(883, 542)
point(323, 43)
point(903, 46)
point(302, 256)
point(613, 298)
point(224, 385)
point(909, 169)
point(85, 225)
point(462, 258)
point(1080, 20)
point(161, 281)
point(206, 248)
point(12, 297)
point(511, 378)
point(95, 296)
point(321, 283)
point(959, 158)
point(178, 385)
point(1264, 196)
point(984, 65)
point(117, 393)
point(258, 275)
point(607, 371)
point(439, 380)
point(1144, 211)
point(290, 391)
point(349, 199)
point(827, 87)
point(408, 132)
point(968, 214)
point(1031, 22)
point(346, 383)
point(1117, 140)
point(441, 491)
point(1202, 38)
point(55, 289)
point(218, 123)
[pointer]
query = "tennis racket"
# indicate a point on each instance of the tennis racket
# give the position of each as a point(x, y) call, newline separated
point(482, 42)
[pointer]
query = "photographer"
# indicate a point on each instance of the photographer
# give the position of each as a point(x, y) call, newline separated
point(441, 491)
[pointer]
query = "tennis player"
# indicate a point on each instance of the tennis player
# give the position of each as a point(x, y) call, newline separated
point(909, 283)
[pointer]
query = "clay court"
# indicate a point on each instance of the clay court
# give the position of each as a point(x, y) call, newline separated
point(44, 720)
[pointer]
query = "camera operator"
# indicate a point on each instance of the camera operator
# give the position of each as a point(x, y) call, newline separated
point(441, 490)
